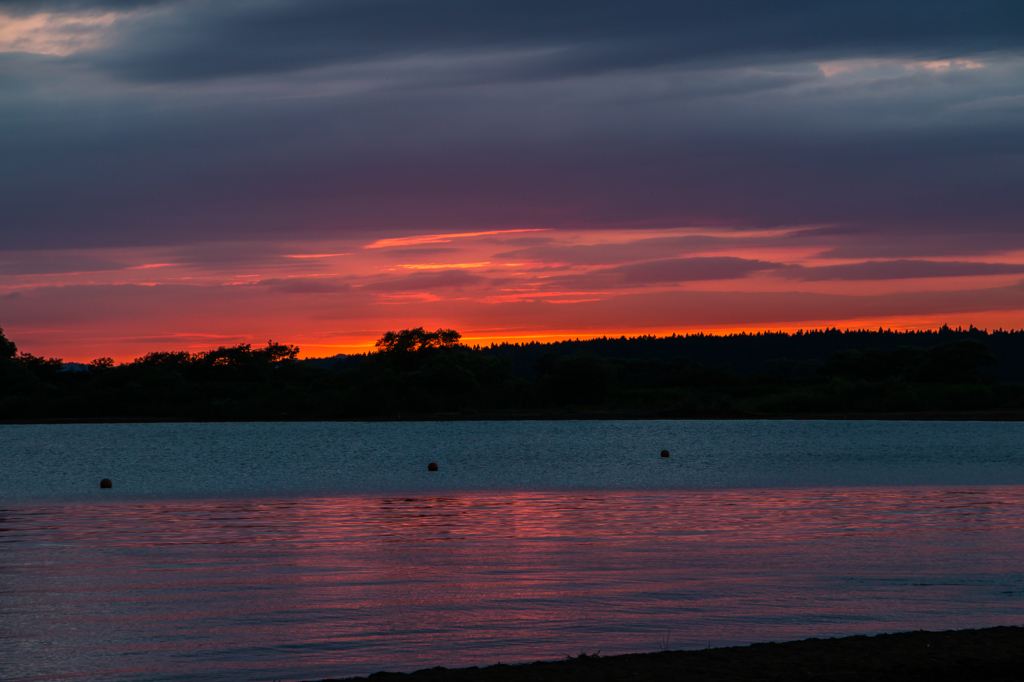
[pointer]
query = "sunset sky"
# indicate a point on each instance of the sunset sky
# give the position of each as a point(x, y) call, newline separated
point(189, 174)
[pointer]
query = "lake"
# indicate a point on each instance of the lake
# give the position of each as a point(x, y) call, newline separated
point(306, 550)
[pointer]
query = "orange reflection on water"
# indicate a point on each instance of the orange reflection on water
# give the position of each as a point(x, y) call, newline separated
point(316, 587)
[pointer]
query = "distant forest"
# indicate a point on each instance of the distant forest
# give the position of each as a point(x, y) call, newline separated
point(414, 373)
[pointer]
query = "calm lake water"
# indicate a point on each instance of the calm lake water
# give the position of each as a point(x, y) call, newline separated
point(302, 551)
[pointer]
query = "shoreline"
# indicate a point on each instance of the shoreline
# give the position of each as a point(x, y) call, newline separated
point(995, 653)
point(1005, 415)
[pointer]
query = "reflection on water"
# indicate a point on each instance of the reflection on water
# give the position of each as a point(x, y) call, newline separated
point(305, 588)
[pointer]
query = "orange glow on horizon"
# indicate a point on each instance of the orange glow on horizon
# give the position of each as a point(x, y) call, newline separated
point(486, 338)
point(339, 296)
point(363, 342)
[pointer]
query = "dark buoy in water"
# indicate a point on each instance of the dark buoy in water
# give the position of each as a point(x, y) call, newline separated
point(432, 466)
point(664, 453)
point(105, 483)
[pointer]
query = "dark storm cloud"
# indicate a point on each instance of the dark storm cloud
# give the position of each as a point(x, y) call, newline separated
point(391, 118)
point(208, 40)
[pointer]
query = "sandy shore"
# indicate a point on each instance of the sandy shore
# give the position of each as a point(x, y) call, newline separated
point(955, 655)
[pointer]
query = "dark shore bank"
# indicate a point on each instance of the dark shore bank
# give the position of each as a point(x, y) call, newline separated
point(960, 655)
point(428, 376)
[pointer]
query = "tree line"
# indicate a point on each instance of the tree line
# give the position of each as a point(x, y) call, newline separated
point(414, 372)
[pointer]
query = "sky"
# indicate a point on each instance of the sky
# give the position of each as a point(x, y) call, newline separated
point(185, 174)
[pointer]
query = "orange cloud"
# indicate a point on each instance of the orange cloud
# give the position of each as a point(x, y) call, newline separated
point(441, 238)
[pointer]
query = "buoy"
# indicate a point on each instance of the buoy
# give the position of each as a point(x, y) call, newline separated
point(432, 466)
point(664, 453)
point(105, 483)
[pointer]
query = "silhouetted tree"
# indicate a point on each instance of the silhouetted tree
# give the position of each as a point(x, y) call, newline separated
point(43, 368)
point(954, 362)
point(276, 353)
point(7, 348)
point(575, 379)
point(414, 340)
point(173, 359)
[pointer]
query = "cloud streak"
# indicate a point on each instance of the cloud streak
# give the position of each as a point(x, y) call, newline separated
point(903, 269)
point(189, 41)
point(668, 271)
point(425, 281)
